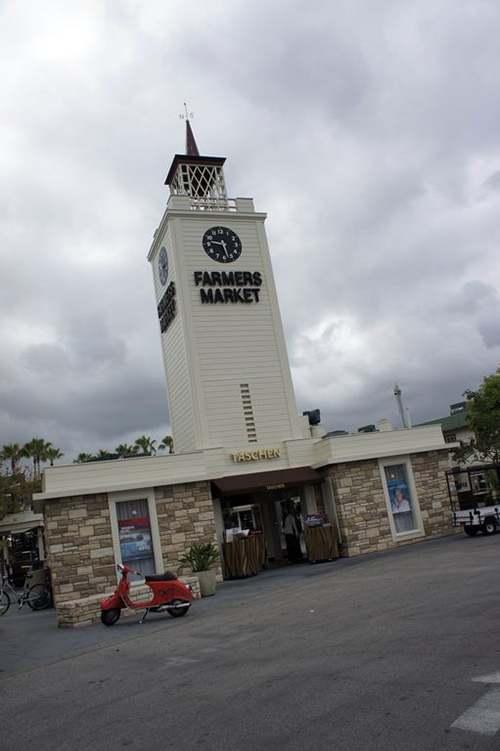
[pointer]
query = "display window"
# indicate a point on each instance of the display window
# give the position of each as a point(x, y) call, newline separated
point(135, 533)
point(245, 516)
point(479, 483)
point(401, 498)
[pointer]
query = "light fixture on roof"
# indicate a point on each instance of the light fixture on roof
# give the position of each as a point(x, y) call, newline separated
point(405, 417)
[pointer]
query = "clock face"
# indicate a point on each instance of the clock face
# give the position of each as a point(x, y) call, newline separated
point(222, 244)
point(163, 266)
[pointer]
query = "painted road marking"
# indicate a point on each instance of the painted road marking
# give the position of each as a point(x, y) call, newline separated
point(492, 678)
point(484, 716)
point(180, 660)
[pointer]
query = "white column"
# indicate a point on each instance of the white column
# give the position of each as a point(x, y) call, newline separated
point(271, 523)
point(219, 520)
point(219, 529)
point(41, 547)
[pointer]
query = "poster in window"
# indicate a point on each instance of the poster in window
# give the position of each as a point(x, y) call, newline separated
point(135, 538)
point(399, 496)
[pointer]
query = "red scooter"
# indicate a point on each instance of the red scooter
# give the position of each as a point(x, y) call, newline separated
point(168, 594)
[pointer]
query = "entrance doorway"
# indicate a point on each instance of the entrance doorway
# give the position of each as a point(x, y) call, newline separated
point(275, 514)
point(289, 512)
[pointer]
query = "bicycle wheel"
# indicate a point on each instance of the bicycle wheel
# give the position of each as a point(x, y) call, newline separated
point(39, 597)
point(4, 603)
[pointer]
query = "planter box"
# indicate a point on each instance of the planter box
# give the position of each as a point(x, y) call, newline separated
point(207, 582)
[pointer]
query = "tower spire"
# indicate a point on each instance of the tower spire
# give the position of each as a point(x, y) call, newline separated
point(201, 178)
point(191, 146)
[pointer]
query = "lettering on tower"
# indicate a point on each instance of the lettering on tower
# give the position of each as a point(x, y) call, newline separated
point(167, 307)
point(228, 286)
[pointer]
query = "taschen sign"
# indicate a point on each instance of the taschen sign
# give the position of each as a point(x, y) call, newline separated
point(257, 455)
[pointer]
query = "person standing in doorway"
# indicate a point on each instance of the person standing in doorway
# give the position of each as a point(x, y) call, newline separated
point(292, 539)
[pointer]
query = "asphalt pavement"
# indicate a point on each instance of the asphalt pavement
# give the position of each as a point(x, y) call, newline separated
point(397, 651)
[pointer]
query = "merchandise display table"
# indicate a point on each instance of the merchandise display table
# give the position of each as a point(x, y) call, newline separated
point(244, 557)
point(321, 543)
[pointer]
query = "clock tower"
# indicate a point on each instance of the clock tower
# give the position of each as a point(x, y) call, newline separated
point(228, 377)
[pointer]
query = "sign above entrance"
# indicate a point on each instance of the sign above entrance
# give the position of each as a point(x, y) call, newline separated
point(249, 456)
point(257, 482)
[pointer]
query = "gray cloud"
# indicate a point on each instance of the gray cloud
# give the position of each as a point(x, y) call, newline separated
point(367, 130)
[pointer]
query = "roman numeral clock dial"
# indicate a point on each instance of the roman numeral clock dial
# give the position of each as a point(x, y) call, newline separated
point(222, 244)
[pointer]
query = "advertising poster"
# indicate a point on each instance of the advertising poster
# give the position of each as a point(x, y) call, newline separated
point(399, 495)
point(135, 538)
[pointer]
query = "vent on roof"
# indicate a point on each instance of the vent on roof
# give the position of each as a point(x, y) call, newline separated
point(248, 413)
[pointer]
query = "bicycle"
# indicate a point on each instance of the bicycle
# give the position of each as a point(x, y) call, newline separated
point(38, 596)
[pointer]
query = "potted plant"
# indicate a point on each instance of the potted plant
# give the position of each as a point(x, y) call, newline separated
point(200, 559)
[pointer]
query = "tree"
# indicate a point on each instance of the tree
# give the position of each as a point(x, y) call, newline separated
point(125, 450)
point(53, 454)
point(146, 444)
point(13, 453)
point(483, 418)
point(16, 492)
point(81, 458)
point(102, 454)
point(167, 443)
point(37, 450)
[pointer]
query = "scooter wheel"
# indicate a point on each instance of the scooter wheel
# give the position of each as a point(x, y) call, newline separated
point(177, 612)
point(109, 617)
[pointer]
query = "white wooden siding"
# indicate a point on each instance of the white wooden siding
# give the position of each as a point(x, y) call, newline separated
point(175, 357)
point(144, 472)
point(237, 343)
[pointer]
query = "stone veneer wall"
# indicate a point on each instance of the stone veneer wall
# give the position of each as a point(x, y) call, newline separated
point(80, 547)
point(185, 516)
point(362, 510)
point(80, 544)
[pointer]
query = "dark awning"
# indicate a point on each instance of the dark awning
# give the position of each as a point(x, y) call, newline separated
point(279, 479)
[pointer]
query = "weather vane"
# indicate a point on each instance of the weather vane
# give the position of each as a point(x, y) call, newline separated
point(187, 115)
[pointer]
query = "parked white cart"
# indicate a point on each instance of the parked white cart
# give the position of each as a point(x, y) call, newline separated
point(474, 498)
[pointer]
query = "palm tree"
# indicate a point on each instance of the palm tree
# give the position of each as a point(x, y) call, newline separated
point(37, 450)
point(81, 458)
point(13, 453)
point(167, 443)
point(125, 450)
point(53, 454)
point(102, 454)
point(146, 444)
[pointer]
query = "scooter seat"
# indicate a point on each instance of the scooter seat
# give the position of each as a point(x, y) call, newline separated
point(166, 577)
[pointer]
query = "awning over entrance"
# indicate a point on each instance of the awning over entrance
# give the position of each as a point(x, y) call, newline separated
point(256, 482)
point(15, 524)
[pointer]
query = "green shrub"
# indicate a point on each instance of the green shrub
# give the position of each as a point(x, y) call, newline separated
point(201, 556)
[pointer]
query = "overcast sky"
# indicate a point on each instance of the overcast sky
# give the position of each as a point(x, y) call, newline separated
point(369, 131)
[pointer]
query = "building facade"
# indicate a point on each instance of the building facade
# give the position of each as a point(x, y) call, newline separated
point(244, 458)
point(454, 426)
